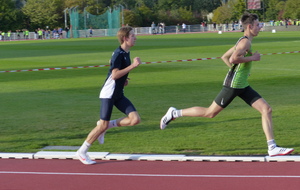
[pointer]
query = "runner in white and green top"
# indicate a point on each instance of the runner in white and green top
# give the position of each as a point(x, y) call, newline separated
point(238, 74)
point(239, 59)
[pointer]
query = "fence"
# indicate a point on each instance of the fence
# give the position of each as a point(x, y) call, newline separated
point(84, 24)
point(148, 30)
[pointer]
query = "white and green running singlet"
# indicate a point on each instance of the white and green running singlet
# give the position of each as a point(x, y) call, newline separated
point(237, 77)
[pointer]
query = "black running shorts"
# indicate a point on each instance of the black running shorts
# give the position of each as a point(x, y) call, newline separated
point(123, 104)
point(227, 94)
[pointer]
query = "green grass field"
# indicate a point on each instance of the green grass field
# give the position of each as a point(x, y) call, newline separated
point(60, 107)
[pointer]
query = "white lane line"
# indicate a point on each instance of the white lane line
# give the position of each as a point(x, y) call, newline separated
point(151, 175)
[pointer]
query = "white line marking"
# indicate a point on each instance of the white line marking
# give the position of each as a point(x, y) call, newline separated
point(152, 175)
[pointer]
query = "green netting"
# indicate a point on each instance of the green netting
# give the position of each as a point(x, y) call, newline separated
point(82, 21)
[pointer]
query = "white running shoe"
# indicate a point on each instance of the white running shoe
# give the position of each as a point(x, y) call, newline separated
point(279, 151)
point(84, 158)
point(166, 119)
point(101, 137)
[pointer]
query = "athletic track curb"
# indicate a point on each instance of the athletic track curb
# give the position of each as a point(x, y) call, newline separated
point(148, 157)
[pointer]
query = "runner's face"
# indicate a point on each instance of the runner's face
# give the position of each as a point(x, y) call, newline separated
point(255, 28)
point(131, 39)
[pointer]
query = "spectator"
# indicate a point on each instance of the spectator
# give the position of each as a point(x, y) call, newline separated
point(3, 36)
point(153, 28)
point(60, 33)
point(40, 33)
point(54, 33)
point(67, 32)
point(183, 27)
point(177, 28)
point(91, 32)
point(9, 35)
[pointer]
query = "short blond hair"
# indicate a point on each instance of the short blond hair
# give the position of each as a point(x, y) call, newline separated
point(124, 32)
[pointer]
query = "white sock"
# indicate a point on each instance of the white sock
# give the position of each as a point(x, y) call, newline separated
point(271, 144)
point(177, 113)
point(84, 147)
point(112, 123)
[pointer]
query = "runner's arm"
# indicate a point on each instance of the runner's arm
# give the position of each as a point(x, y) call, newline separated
point(238, 56)
point(117, 73)
point(225, 57)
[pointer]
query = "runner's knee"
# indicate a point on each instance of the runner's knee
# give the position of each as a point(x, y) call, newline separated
point(134, 120)
point(211, 114)
point(266, 110)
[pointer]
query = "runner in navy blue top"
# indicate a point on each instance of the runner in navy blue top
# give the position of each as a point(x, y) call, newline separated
point(112, 94)
point(114, 88)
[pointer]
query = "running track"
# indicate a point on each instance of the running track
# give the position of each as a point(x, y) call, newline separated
point(55, 174)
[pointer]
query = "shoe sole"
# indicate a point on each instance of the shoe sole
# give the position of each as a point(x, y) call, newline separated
point(161, 124)
point(282, 154)
point(83, 161)
point(101, 140)
point(161, 121)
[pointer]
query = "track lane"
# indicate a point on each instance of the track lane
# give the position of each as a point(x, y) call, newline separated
point(147, 175)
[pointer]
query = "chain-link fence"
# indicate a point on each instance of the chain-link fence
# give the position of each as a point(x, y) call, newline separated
point(85, 24)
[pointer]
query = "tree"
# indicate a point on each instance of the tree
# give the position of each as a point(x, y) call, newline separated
point(127, 4)
point(186, 15)
point(176, 16)
point(222, 14)
point(280, 7)
point(149, 3)
point(230, 11)
point(292, 9)
point(131, 18)
point(209, 5)
point(92, 6)
point(272, 12)
point(40, 16)
point(10, 17)
point(40, 13)
point(239, 8)
point(146, 15)
point(167, 4)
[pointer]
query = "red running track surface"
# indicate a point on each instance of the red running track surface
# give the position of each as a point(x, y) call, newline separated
point(27, 174)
